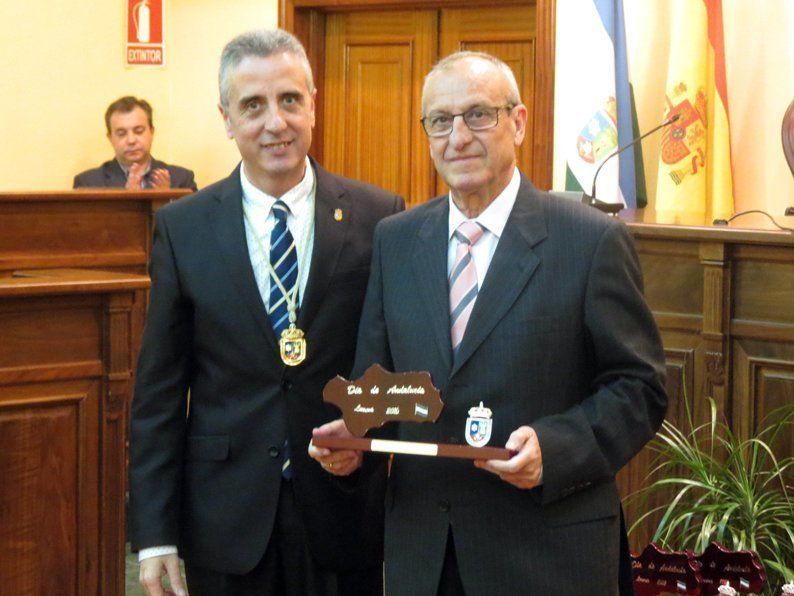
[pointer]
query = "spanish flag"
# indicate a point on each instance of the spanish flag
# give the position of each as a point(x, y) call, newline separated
point(695, 176)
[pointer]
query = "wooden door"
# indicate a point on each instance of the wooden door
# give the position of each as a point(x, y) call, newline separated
point(375, 63)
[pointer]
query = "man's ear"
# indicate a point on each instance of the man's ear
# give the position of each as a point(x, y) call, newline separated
point(226, 122)
point(520, 116)
point(314, 104)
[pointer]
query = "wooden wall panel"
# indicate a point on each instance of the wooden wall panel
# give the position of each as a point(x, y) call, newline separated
point(48, 493)
point(761, 288)
point(37, 234)
point(65, 383)
point(39, 337)
point(672, 275)
point(764, 381)
point(375, 65)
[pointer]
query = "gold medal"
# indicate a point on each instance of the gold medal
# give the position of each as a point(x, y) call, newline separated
point(293, 346)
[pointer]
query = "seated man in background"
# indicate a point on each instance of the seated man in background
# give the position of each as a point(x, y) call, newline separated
point(130, 132)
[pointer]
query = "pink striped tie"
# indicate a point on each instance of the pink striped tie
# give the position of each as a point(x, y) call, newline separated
point(463, 280)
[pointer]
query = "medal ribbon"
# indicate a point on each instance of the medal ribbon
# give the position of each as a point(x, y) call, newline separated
point(291, 298)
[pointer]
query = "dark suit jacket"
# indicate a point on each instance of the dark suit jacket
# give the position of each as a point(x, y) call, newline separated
point(110, 175)
point(561, 339)
point(209, 480)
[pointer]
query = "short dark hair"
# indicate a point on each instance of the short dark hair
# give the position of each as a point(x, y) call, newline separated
point(127, 104)
point(260, 43)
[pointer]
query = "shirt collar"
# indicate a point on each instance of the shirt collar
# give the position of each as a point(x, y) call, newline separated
point(494, 218)
point(296, 198)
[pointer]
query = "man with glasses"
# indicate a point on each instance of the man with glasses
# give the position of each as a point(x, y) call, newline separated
point(531, 307)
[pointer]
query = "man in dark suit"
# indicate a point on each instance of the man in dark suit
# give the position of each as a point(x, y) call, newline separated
point(130, 130)
point(257, 287)
point(532, 307)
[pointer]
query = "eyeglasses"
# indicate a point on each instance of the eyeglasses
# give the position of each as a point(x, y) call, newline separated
point(478, 118)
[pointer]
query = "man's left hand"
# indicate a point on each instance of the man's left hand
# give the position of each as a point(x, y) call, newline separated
point(160, 178)
point(523, 470)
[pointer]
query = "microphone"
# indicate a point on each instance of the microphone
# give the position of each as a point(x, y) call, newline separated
point(613, 208)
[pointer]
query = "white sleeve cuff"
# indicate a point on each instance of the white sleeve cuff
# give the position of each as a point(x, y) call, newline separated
point(156, 551)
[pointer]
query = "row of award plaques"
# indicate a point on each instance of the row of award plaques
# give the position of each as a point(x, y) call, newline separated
point(716, 570)
point(380, 397)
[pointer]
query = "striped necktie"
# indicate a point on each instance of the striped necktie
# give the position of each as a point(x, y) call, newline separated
point(284, 262)
point(463, 280)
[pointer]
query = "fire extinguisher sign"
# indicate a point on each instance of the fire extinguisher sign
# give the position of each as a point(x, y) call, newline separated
point(144, 45)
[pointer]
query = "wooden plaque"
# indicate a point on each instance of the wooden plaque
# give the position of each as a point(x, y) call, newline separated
point(658, 571)
point(741, 570)
point(379, 397)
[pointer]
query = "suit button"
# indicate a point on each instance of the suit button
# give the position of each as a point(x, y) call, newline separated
point(444, 506)
point(274, 452)
point(286, 384)
point(453, 440)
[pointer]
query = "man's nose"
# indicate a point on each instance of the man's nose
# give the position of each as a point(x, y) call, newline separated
point(274, 120)
point(460, 135)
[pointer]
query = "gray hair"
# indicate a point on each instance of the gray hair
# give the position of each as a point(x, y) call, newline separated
point(261, 44)
point(514, 96)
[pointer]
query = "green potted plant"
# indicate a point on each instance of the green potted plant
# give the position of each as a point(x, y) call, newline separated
point(716, 486)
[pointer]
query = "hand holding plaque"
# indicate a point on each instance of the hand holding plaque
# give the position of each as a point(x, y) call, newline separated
point(379, 397)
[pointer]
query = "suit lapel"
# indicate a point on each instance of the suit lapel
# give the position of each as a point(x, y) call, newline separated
point(329, 238)
point(429, 261)
point(229, 227)
point(512, 266)
point(114, 175)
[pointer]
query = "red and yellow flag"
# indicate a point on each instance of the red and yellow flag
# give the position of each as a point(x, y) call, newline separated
point(695, 176)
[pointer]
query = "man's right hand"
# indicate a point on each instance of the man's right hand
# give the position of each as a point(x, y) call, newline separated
point(339, 462)
point(152, 571)
point(135, 177)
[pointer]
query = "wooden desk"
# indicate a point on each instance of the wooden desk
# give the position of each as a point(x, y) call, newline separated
point(90, 229)
point(65, 383)
point(723, 298)
point(105, 229)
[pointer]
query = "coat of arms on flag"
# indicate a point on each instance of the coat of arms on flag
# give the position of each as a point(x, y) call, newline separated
point(684, 142)
point(599, 137)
